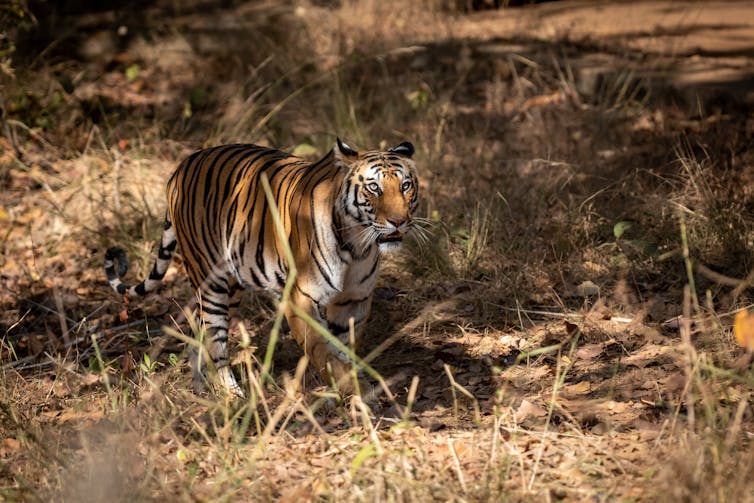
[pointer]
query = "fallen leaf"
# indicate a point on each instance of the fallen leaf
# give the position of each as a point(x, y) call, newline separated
point(463, 448)
point(570, 328)
point(76, 416)
point(616, 407)
point(674, 382)
point(11, 445)
point(90, 378)
point(743, 329)
point(529, 409)
point(578, 389)
point(648, 354)
point(589, 351)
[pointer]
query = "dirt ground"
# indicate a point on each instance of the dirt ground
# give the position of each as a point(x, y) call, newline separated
point(566, 336)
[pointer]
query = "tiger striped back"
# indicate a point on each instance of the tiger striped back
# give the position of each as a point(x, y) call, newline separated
point(338, 214)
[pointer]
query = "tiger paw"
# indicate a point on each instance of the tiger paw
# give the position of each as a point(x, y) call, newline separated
point(344, 377)
point(228, 383)
point(351, 387)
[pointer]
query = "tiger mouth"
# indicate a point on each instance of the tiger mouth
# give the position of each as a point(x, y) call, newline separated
point(390, 238)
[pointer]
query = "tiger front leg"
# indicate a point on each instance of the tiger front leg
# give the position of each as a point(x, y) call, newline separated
point(347, 311)
point(332, 364)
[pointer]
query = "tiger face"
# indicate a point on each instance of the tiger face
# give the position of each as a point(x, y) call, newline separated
point(380, 193)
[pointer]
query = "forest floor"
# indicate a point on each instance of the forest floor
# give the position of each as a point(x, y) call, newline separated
point(565, 336)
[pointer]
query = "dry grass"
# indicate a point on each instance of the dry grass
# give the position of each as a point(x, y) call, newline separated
point(535, 353)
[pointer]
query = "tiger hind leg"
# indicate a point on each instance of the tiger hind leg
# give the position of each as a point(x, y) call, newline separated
point(214, 304)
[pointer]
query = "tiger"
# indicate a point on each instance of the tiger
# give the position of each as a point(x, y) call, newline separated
point(340, 214)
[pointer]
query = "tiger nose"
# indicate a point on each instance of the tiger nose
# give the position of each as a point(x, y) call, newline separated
point(397, 221)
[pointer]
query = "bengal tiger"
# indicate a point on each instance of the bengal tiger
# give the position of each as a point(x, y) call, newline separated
point(339, 214)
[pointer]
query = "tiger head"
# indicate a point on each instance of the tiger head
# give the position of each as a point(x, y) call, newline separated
point(380, 193)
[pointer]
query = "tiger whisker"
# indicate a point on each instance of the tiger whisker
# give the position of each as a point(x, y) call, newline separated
point(424, 226)
point(426, 222)
point(422, 231)
point(357, 225)
point(364, 237)
point(421, 237)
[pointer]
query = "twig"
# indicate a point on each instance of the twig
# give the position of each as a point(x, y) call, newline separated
point(34, 134)
point(17, 323)
point(457, 465)
point(454, 385)
point(722, 279)
point(61, 314)
point(126, 326)
point(19, 362)
point(49, 310)
point(557, 315)
point(11, 137)
point(366, 421)
point(689, 349)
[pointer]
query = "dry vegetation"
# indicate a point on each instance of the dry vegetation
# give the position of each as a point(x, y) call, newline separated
point(565, 336)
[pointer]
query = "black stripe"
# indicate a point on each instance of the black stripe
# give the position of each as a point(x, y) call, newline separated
point(280, 279)
point(218, 160)
point(214, 198)
point(216, 312)
point(317, 238)
point(238, 258)
point(189, 171)
point(231, 217)
point(293, 183)
point(263, 215)
point(216, 304)
point(371, 271)
point(198, 252)
point(310, 297)
point(166, 253)
point(323, 272)
point(352, 301)
point(219, 338)
point(218, 289)
point(155, 274)
point(241, 166)
point(336, 329)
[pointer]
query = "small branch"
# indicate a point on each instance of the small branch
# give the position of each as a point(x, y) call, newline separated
point(721, 278)
point(11, 137)
point(61, 314)
point(457, 466)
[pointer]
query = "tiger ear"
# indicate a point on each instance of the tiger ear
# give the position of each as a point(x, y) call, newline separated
point(404, 149)
point(344, 154)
